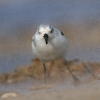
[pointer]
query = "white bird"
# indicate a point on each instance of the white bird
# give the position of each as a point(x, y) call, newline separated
point(49, 44)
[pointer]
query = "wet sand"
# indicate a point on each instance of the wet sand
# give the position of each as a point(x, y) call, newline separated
point(80, 92)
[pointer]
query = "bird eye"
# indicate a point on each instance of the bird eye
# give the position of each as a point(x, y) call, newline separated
point(51, 30)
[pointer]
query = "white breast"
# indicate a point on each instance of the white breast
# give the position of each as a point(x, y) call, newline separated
point(56, 48)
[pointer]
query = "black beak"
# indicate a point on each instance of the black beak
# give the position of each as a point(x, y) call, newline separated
point(46, 38)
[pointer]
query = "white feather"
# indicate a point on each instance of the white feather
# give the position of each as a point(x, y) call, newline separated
point(56, 47)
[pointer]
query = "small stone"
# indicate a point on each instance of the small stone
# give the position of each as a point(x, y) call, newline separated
point(7, 95)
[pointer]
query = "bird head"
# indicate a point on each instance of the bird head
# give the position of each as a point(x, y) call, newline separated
point(45, 31)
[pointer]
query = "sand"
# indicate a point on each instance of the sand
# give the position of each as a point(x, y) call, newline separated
point(86, 92)
point(60, 85)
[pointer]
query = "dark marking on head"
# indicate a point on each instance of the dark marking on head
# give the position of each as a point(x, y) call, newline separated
point(51, 30)
point(62, 33)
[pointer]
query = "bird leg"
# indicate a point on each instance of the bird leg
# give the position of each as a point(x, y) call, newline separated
point(74, 77)
point(44, 73)
point(90, 71)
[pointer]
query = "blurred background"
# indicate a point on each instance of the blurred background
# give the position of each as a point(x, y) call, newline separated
point(78, 19)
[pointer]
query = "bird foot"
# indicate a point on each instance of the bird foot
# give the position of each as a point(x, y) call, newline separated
point(76, 81)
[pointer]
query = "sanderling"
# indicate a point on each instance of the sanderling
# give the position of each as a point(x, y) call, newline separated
point(49, 44)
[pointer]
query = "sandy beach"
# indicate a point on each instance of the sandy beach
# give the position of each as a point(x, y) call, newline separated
point(21, 74)
point(60, 85)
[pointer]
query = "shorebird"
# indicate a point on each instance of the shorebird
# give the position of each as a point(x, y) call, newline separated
point(49, 44)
